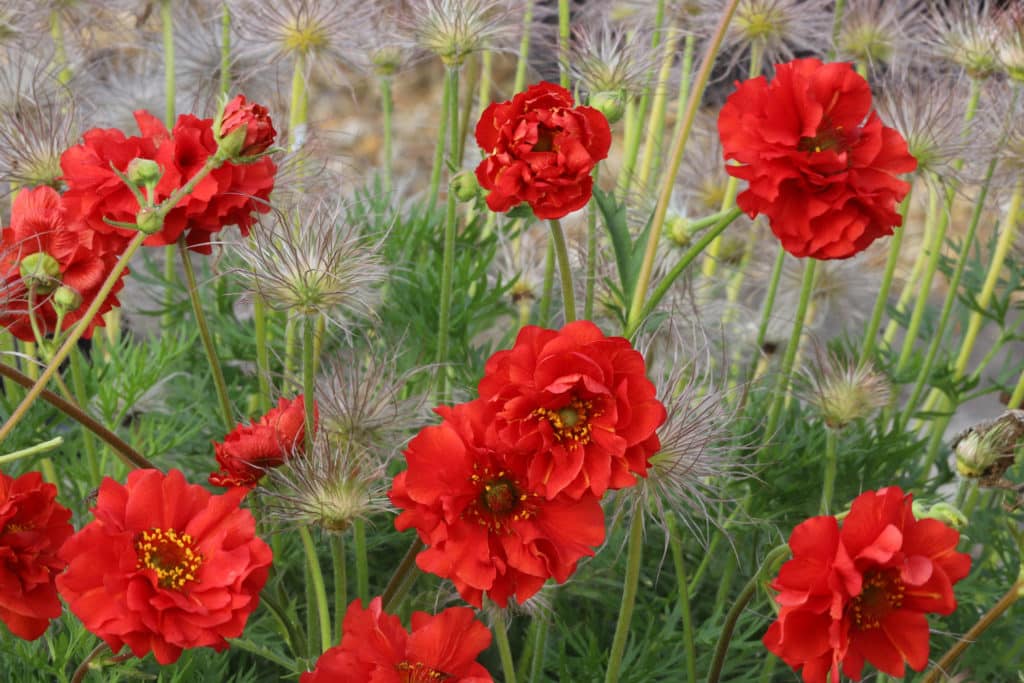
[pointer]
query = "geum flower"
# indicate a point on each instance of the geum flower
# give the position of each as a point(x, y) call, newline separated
point(578, 404)
point(819, 162)
point(249, 450)
point(228, 195)
point(47, 248)
point(540, 150)
point(860, 593)
point(165, 565)
point(375, 647)
point(33, 526)
point(468, 498)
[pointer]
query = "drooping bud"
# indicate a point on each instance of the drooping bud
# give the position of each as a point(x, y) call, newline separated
point(40, 272)
point(944, 512)
point(844, 391)
point(988, 449)
point(611, 104)
point(66, 299)
point(677, 229)
point(149, 220)
point(144, 172)
point(465, 186)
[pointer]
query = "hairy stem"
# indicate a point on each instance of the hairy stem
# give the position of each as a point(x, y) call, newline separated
point(630, 583)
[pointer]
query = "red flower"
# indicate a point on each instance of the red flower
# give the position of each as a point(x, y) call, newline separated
point(579, 404)
point(228, 195)
point(861, 592)
point(165, 566)
point(485, 528)
point(60, 251)
point(823, 175)
point(33, 526)
point(374, 647)
point(249, 450)
point(541, 150)
point(259, 129)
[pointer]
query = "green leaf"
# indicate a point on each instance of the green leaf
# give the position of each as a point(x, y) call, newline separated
point(614, 215)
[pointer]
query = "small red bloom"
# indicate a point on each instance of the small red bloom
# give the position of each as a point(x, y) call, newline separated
point(820, 163)
point(33, 526)
point(249, 450)
point(60, 251)
point(165, 566)
point(541, 150)
point(579, 404)
point(861, 592)
point(485, 528)
point(228, 195)
point(259, 129)
point(374, 647)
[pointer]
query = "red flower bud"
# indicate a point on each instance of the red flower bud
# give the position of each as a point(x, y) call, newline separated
point(259, 129)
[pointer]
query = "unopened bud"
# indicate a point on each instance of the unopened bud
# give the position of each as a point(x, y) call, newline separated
point(611, 104)
point(144, 172)
point(149, 220)
point(677, 229)
point(66, 299)
point(984, 449)
point(465, 186)
point(230, 146)
point(949, 515)
point(40, 272)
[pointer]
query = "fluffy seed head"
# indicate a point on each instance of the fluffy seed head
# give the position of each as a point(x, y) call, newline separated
point(987, 449)
point(966, 34)
point(842, 390)
point(611, 58)
point(455, 29)
point(309, 260)
point(778, 28)
point(289, 29)
point(872, 31)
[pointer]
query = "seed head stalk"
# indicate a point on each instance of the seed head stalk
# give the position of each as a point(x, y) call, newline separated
point(170, 93)
point(504, 649)
point(448, 256)
point(564, 270)
point(656, 122)
point(225, 50)
point(871, 334)
point(689, 647)
point(630, 583)
point(564, 18)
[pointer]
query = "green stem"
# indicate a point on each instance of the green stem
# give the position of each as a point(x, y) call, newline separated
point(564, 270)
point(782, 383)
point(167, 31)
point(871, 334)
point(124, 451)
point(656, 122)
point(689, 647)
point(403, 569)
point(686, 72)
point(591, 281)
point(340, 583)
point(221, 387)
point(448, 257)
point(44, 447)
point(82, 397)
point(941, 668)
point(319, 590)
point(447, 112)
point(299, 106)
point(309, 379)
point(291, 348)
point(831, 464)
point(741, 603)
point(524, 48)
point(362, 564)
point(259, 312)
point(504, 649)
point(225, 49)
point(629, 587)
point(563, 42)
point(666, 283)
point(675, 159)
point(544, 310)
point(60, 55)
point(837, 23)
point(486, 79)
point(72, 339)
point(386, 108)
point(539, 638)
point(769, 297)
point(83, 669)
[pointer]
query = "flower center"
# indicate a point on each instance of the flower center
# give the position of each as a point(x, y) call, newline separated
point(881, 593)
point(500, 500)
point(171, 555)
point(417, 672)
point(570, 423)
point(545, 140)
point(305, 36)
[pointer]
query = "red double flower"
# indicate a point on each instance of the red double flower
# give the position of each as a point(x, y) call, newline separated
point(375, 647)
point(33, 526)
point(819, 162)
point(860, 592)
point(541, 150)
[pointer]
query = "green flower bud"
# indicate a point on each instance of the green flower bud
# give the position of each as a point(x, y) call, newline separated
point(149, 220)
point(66, 299)
point(611, 104)
point(40, 272)
point(465, 186)
point(944, 512)
point(231, 145)
point(677, 229)
point(144, 172)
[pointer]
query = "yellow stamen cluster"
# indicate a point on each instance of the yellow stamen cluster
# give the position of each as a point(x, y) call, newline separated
point(419, 673)
point(170, 555)
point(571, 423)
point(500, 500)
point(304, 38)
point(880, 594)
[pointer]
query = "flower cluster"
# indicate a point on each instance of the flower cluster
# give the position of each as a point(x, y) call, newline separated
point(819, 162)
point(541, 150)
point(505, 492)
point(249, 450)
point(860, 592)
point(375, 647)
